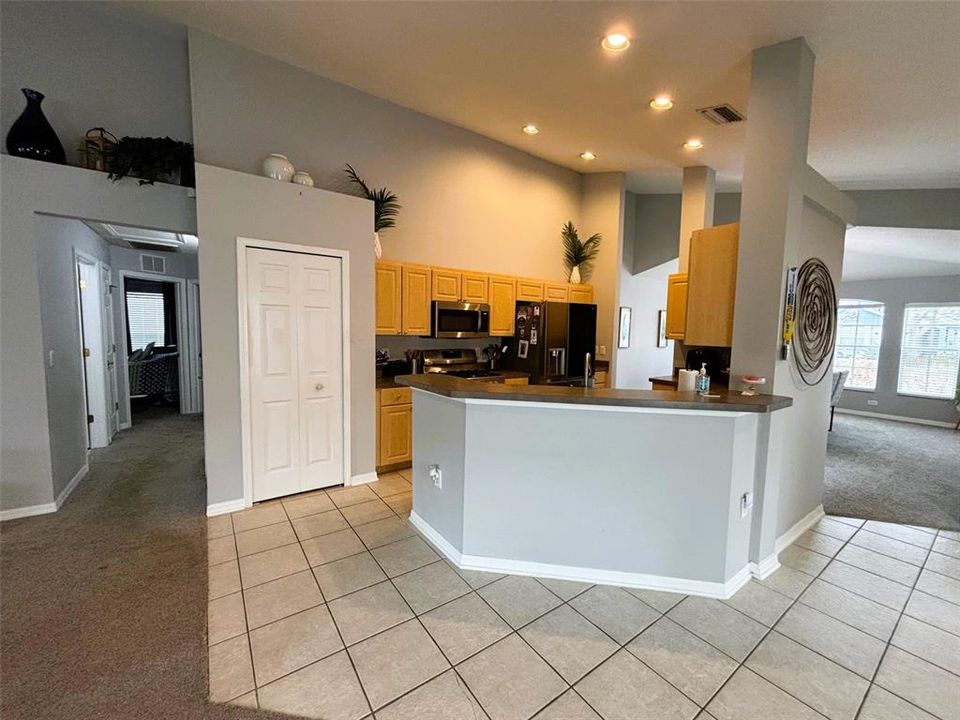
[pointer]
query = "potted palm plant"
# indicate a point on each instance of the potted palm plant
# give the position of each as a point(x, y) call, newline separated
point(386, 207)
point(578, 255)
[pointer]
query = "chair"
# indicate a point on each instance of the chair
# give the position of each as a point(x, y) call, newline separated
point(839, 380)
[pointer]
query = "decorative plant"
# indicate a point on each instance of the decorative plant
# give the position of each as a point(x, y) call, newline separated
point(578, 255)
point(152, 160)
point(386, 207)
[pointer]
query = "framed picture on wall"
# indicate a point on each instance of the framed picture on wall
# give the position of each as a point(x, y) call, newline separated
point(623, 340)
point(662, 328)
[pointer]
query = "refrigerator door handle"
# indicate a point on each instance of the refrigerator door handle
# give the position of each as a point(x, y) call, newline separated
point(558, 358)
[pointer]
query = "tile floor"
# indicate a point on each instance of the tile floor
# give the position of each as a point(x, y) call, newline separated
point(331, 606)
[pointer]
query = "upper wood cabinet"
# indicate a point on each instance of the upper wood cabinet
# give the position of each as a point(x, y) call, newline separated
point(502, 294)
point(555, 292)
point(676, 306)
point(416, 300)
point(388, 298)
point(473, 287)
point(580, 293)
point(712, 285)
point(531, 290)
point(446, 284)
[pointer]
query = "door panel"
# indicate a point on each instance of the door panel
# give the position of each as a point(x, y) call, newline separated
point(110, 353)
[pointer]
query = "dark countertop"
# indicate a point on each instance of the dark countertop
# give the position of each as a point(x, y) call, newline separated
point(388, 383)
point(464, 389)
point(672, 380)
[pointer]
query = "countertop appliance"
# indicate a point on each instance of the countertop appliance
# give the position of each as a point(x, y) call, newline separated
point(459, 363)
point(459, 320)
point(551, 341)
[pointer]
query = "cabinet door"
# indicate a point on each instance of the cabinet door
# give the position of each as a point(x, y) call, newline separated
point(416, 300)
point(531, 290)
point(555, 292)
point(473, 287)
point(446, 285)
point(712, 286)
point(388, 296)
point(676, 306)
point(503, 301)
point(396, 434)
point(580, 294)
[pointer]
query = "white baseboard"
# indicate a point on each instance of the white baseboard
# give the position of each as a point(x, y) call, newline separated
point(364, 478)
point(125, 426)
point(222, 508)
point(720, 590)
point(766, 567)
point(802, 525)
point(46, 508)
point(898, 418)
point(74, 481)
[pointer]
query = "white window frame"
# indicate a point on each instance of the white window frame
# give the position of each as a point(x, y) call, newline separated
point(859, 303)
point(903, 331)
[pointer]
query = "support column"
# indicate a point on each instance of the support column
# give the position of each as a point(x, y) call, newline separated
point(696, 206)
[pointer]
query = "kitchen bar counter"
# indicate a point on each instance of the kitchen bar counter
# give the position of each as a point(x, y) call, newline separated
point(470, 389)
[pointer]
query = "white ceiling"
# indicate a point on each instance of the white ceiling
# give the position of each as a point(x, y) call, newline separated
point(872, 253)
point(886, 98)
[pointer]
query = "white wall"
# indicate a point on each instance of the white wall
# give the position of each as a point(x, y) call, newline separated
point(646, 293)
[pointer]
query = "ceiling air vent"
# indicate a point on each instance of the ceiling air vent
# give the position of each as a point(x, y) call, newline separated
point(721, 114)
point(153, 263)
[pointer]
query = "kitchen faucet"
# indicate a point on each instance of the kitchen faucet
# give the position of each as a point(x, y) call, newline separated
point(587, 372)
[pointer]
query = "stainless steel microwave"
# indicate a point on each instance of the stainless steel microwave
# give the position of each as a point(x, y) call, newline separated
point(460, 320)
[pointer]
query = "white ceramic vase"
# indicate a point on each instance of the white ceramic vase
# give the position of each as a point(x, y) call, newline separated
point(302, 177)
point(377, 248)
point(575, 275)
point(278, 167)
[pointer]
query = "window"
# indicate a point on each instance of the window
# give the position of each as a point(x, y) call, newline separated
point(930, 351)
point(859, 331)
point(145, 320)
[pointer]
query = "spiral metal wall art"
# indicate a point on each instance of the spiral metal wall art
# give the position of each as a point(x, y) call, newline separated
point(816, 321)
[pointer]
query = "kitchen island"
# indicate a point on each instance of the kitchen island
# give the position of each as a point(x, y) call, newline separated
point(638, 488)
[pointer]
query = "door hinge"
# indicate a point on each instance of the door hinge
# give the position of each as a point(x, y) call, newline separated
point(89, 419)
point(86, 352)
point(116, 406)
point(83, 284)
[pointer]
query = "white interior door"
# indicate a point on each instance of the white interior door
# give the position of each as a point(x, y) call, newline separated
point(92, 350)
point(109, 351)
point(196, 348)
point(294, 316)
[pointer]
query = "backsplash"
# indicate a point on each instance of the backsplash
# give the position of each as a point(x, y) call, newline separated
point(397, 344)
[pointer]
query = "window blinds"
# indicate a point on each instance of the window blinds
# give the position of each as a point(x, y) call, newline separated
point(145, 319)
point(930, 350)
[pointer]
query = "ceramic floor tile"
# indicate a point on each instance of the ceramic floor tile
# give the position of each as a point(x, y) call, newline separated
point(430, 586)
point(282, 597)
point(834, 528)
point(761, 603)
point(305, 505)
point(568, 642)
point(464, 627)
point(328, 689)
point(324, 523)
point(657, 599)
point(340, 577)
point(404, 556)
point(258, 516)
point(270, 565)
point(384, 532)
point(787, 581)
point(366, 512)
point(347, 496)
point(396, 661)
point(564, 589)
point(930, 643)
point(518, 600)
point(623, 688)
point(882, 565)
point(475, 578)
point(390, 484)
point(747, 696)
point(444, 698)
point(263, 538)
point(922, 683)
point(941, 586)
point(884, 591)
point(943, 564)
point(223, 579)
point(883, 705)
point(231, 672)
point(934, 611)
point(684, 660)
point(835, 640)
point(820, 683)
point(369, 611)
point(401, 504)
point(864, 614)
point(721, 626)
point(406, 474)
point(615, 611)
point(219, 526)
point(947, 546)
point(803, 560)
point(221, 550)
point(890, 547)
point(510, 680)
point(853, 522)
point(568, 706)
point(292, 643)
point(900, 532)
point(336, 545)
point(248, 701)
point(950, 534)
point(225, 618)
point(823, 544)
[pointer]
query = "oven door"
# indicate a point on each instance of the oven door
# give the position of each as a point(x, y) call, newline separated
point(460, 320)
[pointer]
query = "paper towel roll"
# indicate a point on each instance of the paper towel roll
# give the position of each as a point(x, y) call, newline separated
point(687, 381)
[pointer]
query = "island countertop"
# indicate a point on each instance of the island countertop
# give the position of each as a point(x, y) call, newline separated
point(454, 387)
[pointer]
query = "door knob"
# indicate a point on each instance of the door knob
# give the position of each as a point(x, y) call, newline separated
point(319, 386)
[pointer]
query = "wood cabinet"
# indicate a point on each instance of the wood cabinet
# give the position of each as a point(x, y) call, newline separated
point(388, 298)
point(446, 284)
point(502, 294)
point(711, 286)
point(601, 379)
point(676, 306)
point(416, 291)
point(394, 428)
point(473, 287)
point(657, 385)
point(529, 290)
point(580, 293)
point(555, 292)
point(517, 381)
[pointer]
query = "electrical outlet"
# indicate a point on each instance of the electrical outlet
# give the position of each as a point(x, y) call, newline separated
point(603, 351)
point(872, 402)
point(746, 502)
point(436, 475)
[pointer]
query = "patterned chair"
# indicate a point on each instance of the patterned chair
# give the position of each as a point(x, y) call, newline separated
point(839, 380)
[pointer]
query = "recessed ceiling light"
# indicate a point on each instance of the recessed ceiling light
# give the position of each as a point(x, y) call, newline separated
point(587, 155)
point(693, 144)
point(531, 129)
point(615, 42)
point(661, 102)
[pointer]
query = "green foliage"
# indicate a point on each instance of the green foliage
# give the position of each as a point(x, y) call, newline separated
point(152, 160)
point(577, 252)
point(386, 207)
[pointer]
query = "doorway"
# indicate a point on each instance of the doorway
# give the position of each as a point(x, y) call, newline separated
point(93, 294)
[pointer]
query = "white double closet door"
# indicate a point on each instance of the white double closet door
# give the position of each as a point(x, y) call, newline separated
point(295, 355)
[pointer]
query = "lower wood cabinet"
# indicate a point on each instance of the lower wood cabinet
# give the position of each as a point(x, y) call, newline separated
point(394, 428)
point(516, 381)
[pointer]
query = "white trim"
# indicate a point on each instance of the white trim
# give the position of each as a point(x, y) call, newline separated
point(74, 481)
point(126, 425)
point(246, 454)
point(193, 336)
point(801, 526)
point(603, 408)
point(364, 478)
point(93, 369)
point(719, 590)
point(766, 567)
point(46, 508)
point(898, 418)
point(228, 506)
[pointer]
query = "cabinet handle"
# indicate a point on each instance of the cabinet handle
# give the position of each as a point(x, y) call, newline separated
point(319, 386)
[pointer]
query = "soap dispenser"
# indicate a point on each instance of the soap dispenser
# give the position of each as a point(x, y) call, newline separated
point(703, 381)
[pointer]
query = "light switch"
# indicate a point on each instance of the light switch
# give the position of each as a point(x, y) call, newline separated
point(746, 502)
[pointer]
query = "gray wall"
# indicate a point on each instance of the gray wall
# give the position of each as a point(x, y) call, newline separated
point(895, 294)
point(231, 205)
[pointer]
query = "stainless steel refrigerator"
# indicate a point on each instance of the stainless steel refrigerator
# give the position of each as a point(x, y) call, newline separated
point(551, 340)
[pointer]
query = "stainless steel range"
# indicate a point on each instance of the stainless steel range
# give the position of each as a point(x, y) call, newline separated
point(459, 363)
